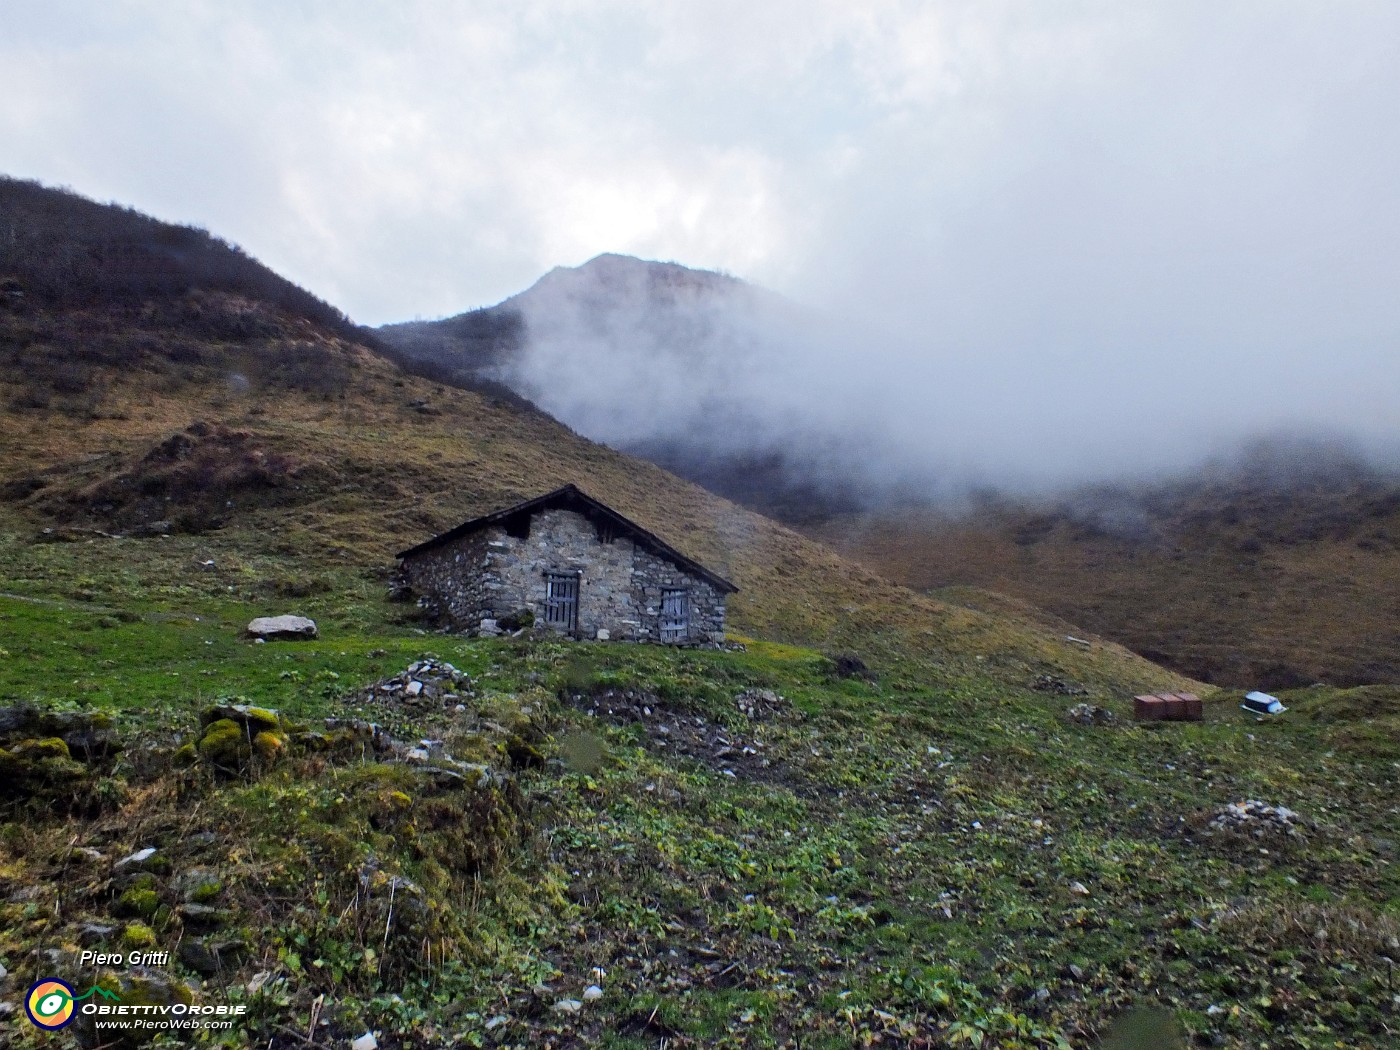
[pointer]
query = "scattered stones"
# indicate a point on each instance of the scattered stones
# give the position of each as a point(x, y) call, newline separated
point(1049, 683)
point(1090, 715)
point(1256, 818)
point(691, 736)
point(45, 752)
point(86, 734)
point(759, 704)
point(424, 683)
point(90, 933)
point(288, 628)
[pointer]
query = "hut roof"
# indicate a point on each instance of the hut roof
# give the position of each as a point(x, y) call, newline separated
point(570, 497)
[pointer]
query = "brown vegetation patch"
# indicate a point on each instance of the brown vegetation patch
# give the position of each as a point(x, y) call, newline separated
point(673, 732)
point(191, 482)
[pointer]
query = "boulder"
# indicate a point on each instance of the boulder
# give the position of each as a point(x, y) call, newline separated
point(291, 628)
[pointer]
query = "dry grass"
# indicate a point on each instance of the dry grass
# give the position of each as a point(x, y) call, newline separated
point(1252, 602)
point(390, 459)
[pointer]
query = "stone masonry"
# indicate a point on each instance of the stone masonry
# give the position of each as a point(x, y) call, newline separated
point(500, 572)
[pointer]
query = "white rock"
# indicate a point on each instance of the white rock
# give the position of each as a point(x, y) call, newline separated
point(258, 980)
point(413, 688)
point(365, 1042)
point(568, 1006)
point(1079, 889)
point(591, 993)
point(293, 627)
point(417, 754)
point(139, 857)
point(603, 634)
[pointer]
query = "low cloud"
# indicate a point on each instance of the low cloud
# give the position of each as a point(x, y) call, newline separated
point(1043, 242)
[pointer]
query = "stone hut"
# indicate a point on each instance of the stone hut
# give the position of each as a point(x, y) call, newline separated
point(568, 564)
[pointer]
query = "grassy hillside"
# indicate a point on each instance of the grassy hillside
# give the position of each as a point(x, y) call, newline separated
point(589, 844)
point(140, 422)
point(1271, 578)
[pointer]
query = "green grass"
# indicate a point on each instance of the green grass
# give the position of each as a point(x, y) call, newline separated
point(905, 869)
point(902, 871)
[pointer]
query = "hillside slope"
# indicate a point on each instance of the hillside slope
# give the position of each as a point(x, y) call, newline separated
point(592, 844)
point(302, 432)
point(1276, 571)
point(301, 435)
point(1275, 568)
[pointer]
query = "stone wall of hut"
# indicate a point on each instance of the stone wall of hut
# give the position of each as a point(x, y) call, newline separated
point(473, 583)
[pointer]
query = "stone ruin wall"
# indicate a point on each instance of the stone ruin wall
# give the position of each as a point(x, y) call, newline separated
point(490, 575)
point(453, 582)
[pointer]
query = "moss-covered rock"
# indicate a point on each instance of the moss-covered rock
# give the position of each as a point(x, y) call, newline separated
point(38, 768)
point(269, 746)
point(85, 734)
point(199, 885)
point(258, 719)
point(238, 739)
point(139, 902)
point(224, 744)
point(138, 937)
point(51, 747)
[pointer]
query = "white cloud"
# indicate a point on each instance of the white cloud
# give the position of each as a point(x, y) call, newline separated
point(1079, 211)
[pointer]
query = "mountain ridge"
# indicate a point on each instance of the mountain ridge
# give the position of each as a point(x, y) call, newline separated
point(197, 394)
point(872, 817)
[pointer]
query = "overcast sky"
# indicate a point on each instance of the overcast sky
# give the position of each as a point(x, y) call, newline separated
point(1176, 205)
